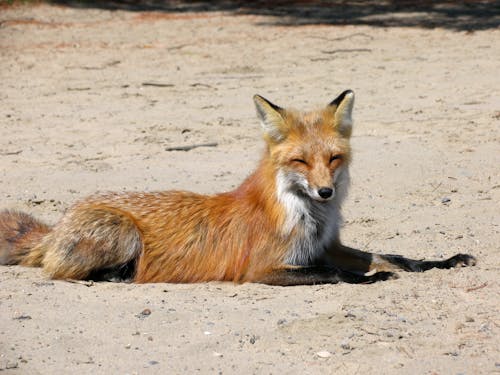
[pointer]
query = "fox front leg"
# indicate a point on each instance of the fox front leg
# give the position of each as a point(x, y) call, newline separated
point(356, 260)
point(297, 275)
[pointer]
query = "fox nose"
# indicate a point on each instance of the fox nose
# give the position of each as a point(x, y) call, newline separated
point(325, 192)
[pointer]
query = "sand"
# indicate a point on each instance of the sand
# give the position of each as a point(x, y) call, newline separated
point(92, 98)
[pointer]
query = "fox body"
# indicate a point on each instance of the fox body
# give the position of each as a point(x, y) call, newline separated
point(280, 226)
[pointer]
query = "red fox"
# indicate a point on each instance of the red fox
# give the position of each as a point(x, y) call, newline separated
point(279, 227)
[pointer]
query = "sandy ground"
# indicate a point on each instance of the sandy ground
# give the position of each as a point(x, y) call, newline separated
point(90, 100)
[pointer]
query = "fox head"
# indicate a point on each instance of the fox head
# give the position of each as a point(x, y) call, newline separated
point(310, 151)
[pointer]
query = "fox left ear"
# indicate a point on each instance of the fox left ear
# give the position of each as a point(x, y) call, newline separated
point(343, 105)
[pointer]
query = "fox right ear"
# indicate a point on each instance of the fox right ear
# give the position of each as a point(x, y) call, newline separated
point(343, 112)
point(270, 116)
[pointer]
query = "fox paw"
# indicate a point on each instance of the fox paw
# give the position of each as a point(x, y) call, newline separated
point(461, 260)
point(381, 276)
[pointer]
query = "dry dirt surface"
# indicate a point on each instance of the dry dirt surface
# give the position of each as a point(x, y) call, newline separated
point(93, 98)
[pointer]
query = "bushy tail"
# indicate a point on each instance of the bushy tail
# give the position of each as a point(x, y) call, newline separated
point(19, 235)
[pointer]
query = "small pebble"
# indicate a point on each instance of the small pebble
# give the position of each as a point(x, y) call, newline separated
point(144, 313)
point(324, 354)
point(484, 327)
point(345, 345)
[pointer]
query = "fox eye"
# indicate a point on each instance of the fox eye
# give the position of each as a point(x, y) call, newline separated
point(335, 157)
point(301, 161)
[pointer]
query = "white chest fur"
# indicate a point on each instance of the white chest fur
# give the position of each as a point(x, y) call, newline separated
point(312, 225)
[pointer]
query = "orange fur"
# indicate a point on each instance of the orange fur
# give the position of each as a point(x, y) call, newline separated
point(179, 236)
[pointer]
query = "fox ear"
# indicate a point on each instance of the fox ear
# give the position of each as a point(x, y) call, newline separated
point(343, 105)
point(271, 118)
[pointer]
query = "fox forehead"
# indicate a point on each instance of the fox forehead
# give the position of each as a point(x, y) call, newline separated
point(309, 120)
